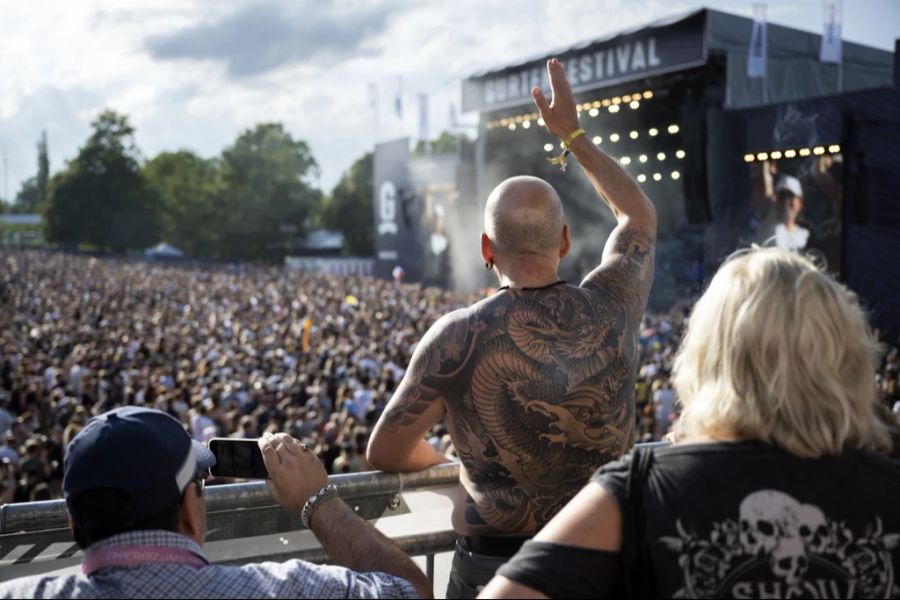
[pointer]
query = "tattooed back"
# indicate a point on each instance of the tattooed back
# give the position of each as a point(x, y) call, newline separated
point(539, 392)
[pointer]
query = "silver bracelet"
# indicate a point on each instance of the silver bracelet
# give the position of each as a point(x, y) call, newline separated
point(329, 491)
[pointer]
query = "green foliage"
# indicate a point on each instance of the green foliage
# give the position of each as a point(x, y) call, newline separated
point(349, 209)
point(33, 192)
point(446, 143)
point(253, 203)
point(42, 180)
point(101, 199)
point(268, 194)
point(28, 198)
point(20, 234)
point(190, 191)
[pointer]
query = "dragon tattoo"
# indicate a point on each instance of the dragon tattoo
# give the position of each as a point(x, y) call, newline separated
point(539, 388)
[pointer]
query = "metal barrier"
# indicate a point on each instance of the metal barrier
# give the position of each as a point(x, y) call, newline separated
point(245, 525)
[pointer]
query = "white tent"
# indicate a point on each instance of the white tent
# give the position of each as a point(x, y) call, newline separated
point(163, 250)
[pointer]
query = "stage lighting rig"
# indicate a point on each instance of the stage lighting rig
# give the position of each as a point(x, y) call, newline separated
point(789, 153)
point(592, 107)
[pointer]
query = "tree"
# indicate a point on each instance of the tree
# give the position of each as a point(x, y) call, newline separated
point(446, 143)
point(349, 208)
point(34, 189)
point(268, 193)
point(190, 193)
point(43, 174)
point(101, 198)
point(28, 197)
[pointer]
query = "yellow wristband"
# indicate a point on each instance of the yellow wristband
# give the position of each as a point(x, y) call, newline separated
point(572, 137)
point(561, 159)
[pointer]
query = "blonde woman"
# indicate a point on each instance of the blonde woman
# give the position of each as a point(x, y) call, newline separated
point(778, 486)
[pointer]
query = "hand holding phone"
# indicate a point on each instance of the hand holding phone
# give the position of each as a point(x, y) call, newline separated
point(237, 458)
point(296, 471)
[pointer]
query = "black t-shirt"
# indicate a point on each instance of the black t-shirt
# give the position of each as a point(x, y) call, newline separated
point(748, 520)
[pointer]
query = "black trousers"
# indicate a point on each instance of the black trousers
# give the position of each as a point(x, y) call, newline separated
point(477, 559)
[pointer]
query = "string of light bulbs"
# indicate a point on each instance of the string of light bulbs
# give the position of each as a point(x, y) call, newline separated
point(612, 104)
point(615, 137)
point(792, 153)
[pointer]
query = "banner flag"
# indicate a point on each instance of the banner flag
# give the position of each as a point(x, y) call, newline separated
point(398, 98)
point(373, 96)
point(307, 329)
point(756, 55)
point(830, 51)
point(454, 120)
point(396, 211)
point(423, 117)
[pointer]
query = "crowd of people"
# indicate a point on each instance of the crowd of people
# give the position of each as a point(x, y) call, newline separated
point(230, 351)
point(233, 351)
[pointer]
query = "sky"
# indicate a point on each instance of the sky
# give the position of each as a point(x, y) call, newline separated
point(194, 74)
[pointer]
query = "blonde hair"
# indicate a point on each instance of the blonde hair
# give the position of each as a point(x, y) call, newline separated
point(779, 351)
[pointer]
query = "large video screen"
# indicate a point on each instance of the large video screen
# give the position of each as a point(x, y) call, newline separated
point(797, 204)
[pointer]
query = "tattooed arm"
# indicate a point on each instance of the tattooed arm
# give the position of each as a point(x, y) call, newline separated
point(623, 196)
point(397, 442)
point(627, 266)
point(628, 255)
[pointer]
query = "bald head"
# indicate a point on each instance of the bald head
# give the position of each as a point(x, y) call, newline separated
point(524, 215)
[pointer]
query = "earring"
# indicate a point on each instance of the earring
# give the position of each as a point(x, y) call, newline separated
point(489, 265)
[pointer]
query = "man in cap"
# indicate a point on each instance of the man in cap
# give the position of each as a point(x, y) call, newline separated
point(134, 489)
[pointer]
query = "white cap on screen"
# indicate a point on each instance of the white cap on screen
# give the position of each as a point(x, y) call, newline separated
point(790, 183)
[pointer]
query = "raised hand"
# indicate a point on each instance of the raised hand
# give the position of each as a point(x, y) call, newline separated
point(560, 116)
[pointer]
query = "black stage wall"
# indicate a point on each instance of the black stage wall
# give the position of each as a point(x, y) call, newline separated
point(872, 213)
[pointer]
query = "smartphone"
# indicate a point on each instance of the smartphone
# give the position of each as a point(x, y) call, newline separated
point(237, 458)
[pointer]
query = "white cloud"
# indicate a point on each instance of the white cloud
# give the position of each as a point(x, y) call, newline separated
point(66, 61)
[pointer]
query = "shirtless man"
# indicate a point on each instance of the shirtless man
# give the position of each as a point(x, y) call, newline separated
point(537, 381)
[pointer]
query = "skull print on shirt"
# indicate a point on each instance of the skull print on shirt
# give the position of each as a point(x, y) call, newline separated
point(780, 547)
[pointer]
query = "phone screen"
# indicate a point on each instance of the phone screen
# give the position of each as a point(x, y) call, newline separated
point(237, 458)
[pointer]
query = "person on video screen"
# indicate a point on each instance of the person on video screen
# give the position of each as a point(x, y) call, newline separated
point(789, 235)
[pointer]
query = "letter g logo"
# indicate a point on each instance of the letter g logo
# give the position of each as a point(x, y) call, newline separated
point(387, 209)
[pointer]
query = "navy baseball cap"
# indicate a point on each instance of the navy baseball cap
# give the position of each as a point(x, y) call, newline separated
point(146, 453)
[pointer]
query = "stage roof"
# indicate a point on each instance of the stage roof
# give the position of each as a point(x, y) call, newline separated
point(794, 71)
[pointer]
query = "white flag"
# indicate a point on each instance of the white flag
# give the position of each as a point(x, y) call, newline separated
point(373, 96)
point(454, 120)
point(756, 55)
point(398, 97)
point(423, 117)
point(830, 51)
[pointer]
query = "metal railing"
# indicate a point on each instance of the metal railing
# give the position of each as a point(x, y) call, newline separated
point(245, 525)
